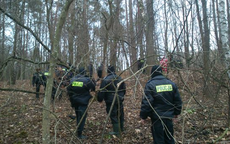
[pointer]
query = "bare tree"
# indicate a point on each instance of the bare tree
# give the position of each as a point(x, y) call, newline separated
point(150, 47)
point(47, 99)
point(132, 38)
point(204, 31)
point(220, 49)
point(140, 27)
point(224, 42)
point(116, 32)
point(71, 33)
point(2, 49)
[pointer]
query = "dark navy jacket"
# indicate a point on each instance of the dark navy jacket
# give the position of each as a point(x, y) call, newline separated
point(108, 88)
point(79, 90)
point(163, 96)
point(38, 78)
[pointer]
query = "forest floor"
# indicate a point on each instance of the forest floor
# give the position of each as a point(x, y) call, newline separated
point(201, 121)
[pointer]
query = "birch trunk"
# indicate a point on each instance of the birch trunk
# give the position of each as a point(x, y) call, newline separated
point(224, 41)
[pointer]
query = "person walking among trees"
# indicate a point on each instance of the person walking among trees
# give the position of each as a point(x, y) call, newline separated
point(79, 94)
point(164, 64)
point(38, 80)
point(107, 93)
point(162, 103)
point(90, 69)
point(99, 71)
point(141, 63)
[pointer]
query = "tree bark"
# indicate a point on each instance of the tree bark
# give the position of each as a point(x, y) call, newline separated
point(166, 26)
point(224, 41)
point(132, 40)
point(2, 59)
point(206, 49)
point(71, 34)
point(140, 27)
point(205, 44)
point(12, 64)
point(47, 99)
point(150, 47)
point(186, 37)
point(220, 50)
point(116, 35)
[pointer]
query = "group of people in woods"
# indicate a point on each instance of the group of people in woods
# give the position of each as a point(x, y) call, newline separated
point(61, 79)
point(161, 100)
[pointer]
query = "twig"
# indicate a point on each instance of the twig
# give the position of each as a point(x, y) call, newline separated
point(219, 138)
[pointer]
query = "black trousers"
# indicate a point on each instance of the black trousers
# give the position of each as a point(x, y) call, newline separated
point(162, 131)
point(114, 116)
point(80, 110)
point(38, 89)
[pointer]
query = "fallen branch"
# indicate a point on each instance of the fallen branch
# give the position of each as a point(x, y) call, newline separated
point(18, 90)
point(219, 138)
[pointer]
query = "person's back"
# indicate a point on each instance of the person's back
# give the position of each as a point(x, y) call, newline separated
point(161, 102)
point(109, 91)
point(99, 71)
point(165, 95)
point(46, 76)
point(90, 69)
point(79, 94)
point(80, 87)
point(109, 87)
point(38, 79)
point(140, 63)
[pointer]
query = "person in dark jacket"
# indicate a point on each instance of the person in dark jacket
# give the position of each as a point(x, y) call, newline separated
point(90, 69)
point(108, 92)
point(79, 94)
point(38, 80)
point(162, 103)
point(141, 63)
point(99, 71)
point(47, 75)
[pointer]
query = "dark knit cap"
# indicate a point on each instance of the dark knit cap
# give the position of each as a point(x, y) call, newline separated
point(110, 69)
point(156, 70)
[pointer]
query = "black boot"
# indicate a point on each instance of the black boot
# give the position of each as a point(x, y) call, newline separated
point(115, 130)
point(72, 117)
point(122, 126)
point(80, 136)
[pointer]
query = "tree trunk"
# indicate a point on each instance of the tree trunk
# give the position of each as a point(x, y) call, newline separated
point(83, 53)
point(220, 50)
point(132, 46)
point(71, 34)
point(186, 38)
point(224, 42)
point(150, 48)
point(205, 44)
point(86, 37)
point(140, 27)
point(116, 35)
point(107, 27)
point(47, 99)
point(206, 49)
point(227, 56)
point(166, 26)
point(2, 52)
point(12, 67)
